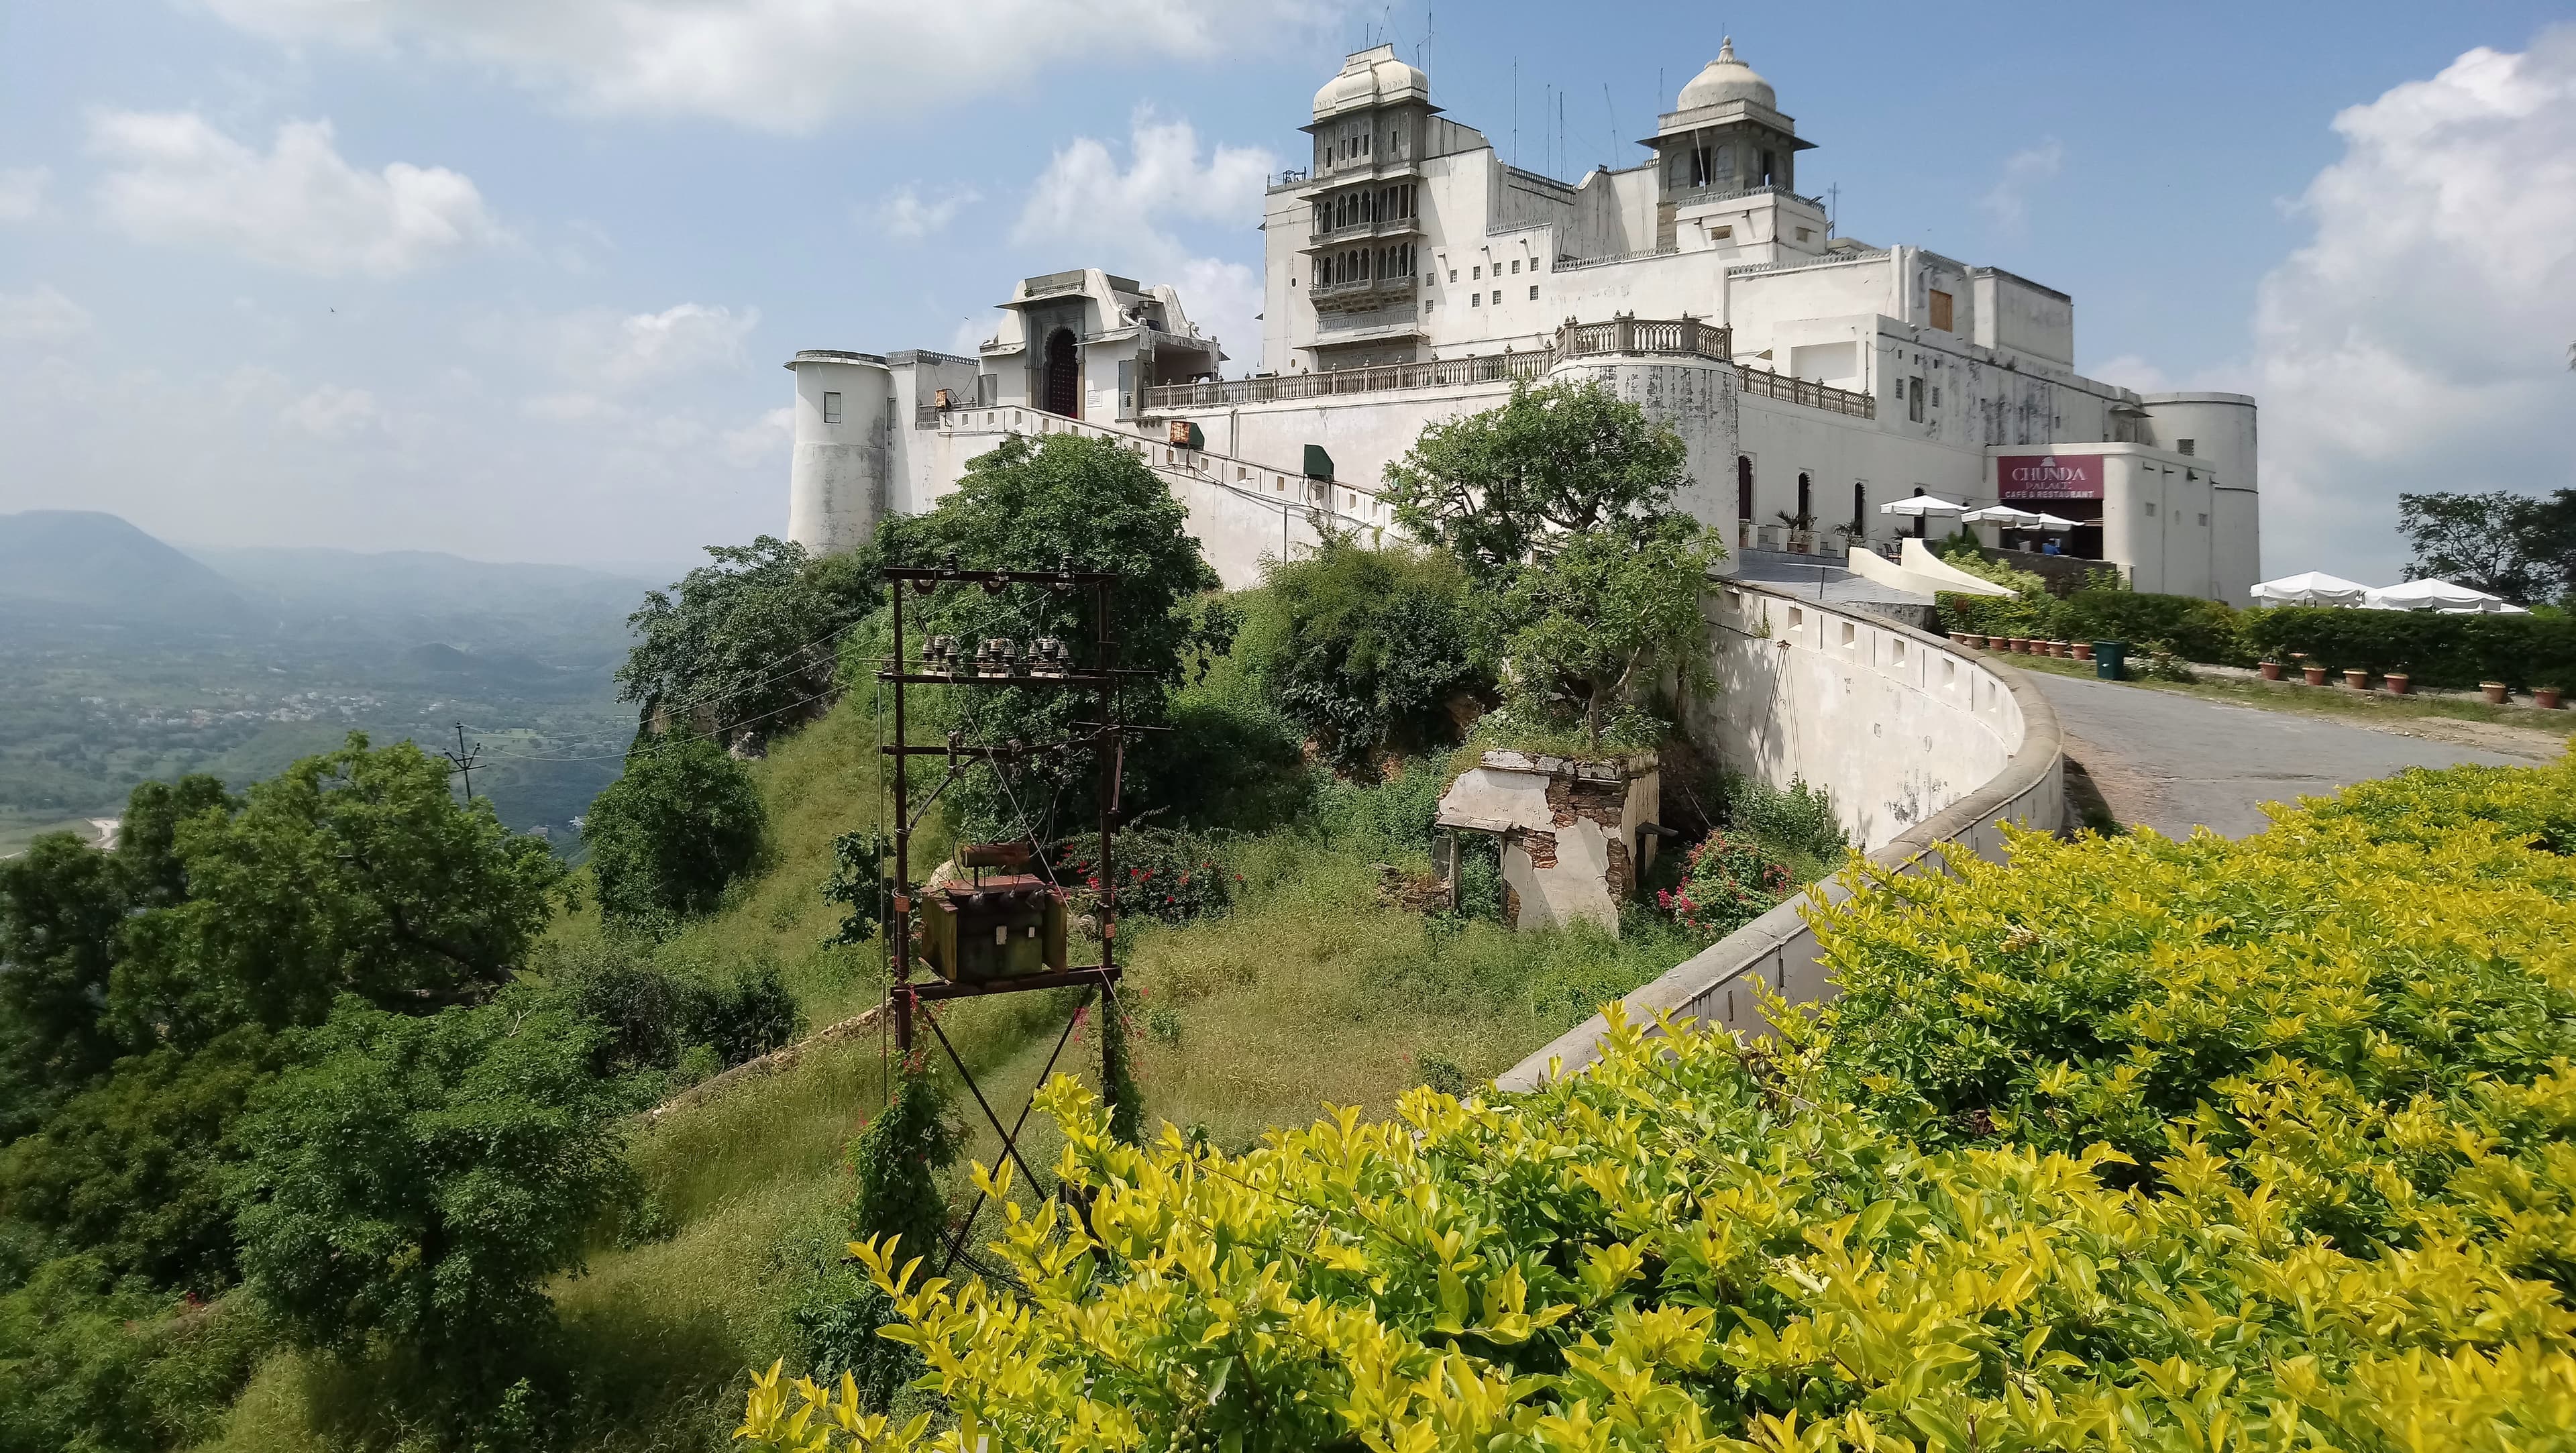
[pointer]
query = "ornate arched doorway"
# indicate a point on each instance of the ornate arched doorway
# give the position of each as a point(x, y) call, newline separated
point(1063, 388)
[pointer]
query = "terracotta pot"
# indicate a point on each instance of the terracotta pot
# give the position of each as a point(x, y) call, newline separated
point(2046, 648)
point(1973, 641)
point(2400, 684)
point(2495, 691)
point(2356, 678)
point(2545, 697)
point(2271, 669)
point(2316, 675)
point(2083, 650)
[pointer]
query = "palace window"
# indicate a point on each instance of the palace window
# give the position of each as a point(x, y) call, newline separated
point(831, 408)
point(1533, 292)
point(1516, 265)
point(1498, 297)
point(1940, 302)
point(1477, 271)
point(1475, 300)
point(2182, 446)
point(1914, 402)
point(1453, 274)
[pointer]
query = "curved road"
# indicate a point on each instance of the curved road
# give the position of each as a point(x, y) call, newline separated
point(2176, 762)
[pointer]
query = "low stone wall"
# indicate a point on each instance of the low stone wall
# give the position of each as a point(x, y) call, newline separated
point(1921, 742)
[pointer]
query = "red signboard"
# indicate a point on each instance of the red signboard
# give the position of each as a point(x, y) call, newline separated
point(2049, 476)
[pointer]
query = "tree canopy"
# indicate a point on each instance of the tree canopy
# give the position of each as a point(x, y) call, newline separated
point(1364, 649)
point(1610, 610)
point(1558, 458)
point(2516, 546)
point(680, 823)
point(421, 1178)
point(1032, 505)
point(748, 641)
point(355, 871)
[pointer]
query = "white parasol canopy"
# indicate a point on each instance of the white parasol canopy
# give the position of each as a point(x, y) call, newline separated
point(1915, 507)
point(2004, 515)
point(2049, 522)
point(2436, 595)
point(2311, 587)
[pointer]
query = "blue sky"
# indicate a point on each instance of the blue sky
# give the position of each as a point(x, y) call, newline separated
point(515, 280)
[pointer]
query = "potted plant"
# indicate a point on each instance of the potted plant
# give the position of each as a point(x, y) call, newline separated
point(2495, 692)
point(2357, 677)
point(2083, 650)
point(1958, 638)
point(2545, 697)
point(2399, 683)
point(2271, 669)
point(2314, 674)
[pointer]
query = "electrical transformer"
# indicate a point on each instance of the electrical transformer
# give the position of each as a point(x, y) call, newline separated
point(996, 926)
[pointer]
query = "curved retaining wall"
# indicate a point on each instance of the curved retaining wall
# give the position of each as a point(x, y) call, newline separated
point(1921, 742)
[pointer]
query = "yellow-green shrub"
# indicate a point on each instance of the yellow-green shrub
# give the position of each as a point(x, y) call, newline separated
point(2132, 1143)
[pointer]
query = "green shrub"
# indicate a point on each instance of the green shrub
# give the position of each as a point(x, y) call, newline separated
point(2369, 1015)
point(93, 1364)
point(2422, 804)
point(1798, 818)
point(2434, 649)
point(2123, 1144)
point(1727, 882)
point(679, 824)
point(1364, 649)
point(652, 1012)
point(421, 1179)
point(1164, 874)
point(2208, 631)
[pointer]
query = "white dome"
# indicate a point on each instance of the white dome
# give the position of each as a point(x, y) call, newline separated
point(1727, 79)
point(1371, 78)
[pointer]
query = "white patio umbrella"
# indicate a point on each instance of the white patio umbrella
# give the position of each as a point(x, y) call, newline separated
point(2049, 522)
point(2004, 515)
point(2435, 595)
point(2311, 587)
point(1915, 507)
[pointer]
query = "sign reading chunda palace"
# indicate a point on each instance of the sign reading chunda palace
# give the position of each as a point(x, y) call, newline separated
point(2048, 476)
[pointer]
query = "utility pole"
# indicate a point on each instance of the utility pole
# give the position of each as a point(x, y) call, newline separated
point(463, 761)
point(1833, 206)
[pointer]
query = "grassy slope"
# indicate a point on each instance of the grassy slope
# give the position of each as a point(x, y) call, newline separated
point(1310, 990)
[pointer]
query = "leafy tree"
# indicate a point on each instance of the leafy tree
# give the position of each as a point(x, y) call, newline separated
point(858, 884)
point(2511, 545)
point(356, 871)
point(420, 1178)
point(97, 1364)
point(1609, 612)
point(1364, 649)
point(666, 837)
point(1033, 505)
point(1559, 458)
point(62, 911)
point(747, 641)
point(132, 1171)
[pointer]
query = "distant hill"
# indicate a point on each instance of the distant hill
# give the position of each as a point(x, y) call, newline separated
point(84, 566)
point(561, 614)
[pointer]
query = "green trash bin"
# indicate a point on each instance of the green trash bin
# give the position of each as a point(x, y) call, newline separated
point(2110, 659)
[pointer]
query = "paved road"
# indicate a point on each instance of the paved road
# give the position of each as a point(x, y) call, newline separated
point(2175, 762)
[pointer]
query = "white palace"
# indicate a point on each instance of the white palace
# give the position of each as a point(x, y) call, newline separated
point(1412, 275)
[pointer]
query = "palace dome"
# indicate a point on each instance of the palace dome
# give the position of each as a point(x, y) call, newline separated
point(1371, 78)
point(1727, 79)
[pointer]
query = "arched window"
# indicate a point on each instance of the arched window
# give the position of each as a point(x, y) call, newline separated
point(1860, 508)
point(1806, 502)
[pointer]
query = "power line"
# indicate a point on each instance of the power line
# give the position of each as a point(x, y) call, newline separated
point(463, 761)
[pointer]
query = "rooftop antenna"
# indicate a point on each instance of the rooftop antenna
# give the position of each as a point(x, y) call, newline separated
point(1608, 105)
point(1833, 206)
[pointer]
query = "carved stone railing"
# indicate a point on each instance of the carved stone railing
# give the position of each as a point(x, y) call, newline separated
point(1687, 337)
point(1763, 383)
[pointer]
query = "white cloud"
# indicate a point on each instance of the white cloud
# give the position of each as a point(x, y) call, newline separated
point(762, 440)
point(22, 193)
point(681, 339)
point(2419, 340)
point(782, 65)
point(1118, 218)
point(173, 178)
point(2008, 201)
point(907, 215)
point(41, 316)
point(333, 412)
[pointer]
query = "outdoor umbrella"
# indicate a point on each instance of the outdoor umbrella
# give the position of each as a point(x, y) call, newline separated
point(2313, 587)
point(2004, 515)
point(2435, 595)
point(1915, 507)
point(2049, 522)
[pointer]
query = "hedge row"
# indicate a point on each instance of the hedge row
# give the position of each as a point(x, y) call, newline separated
point(2129, 1143)
point(2198, 630)
point(2435, 650)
